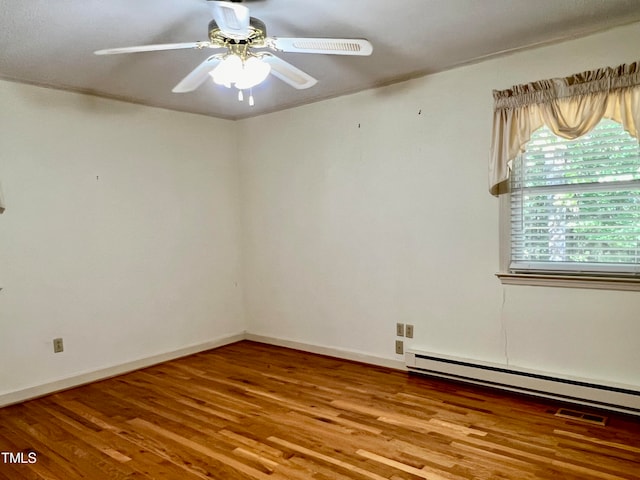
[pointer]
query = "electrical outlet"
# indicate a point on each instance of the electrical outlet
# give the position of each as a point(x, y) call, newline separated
point(409, 331)
point(399, 347)
point(57, 345)
point(400, 329)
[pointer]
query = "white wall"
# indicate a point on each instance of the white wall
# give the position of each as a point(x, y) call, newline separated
point(121, 234)
point(372, 209)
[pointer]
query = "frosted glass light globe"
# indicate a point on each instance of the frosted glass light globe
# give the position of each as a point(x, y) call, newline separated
point(227, 71)
point(254, 71)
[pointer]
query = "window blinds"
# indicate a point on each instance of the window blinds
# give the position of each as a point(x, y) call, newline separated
point(575, 204)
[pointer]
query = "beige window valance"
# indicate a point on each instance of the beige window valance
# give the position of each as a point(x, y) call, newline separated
point(569, 107)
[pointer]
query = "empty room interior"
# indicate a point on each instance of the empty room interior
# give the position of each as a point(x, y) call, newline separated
point(328, 284)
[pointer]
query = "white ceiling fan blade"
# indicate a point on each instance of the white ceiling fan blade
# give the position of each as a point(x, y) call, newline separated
point(288, 73)
point(153, 48)
point(197, 76)
point(333, 46)
point(232, 18)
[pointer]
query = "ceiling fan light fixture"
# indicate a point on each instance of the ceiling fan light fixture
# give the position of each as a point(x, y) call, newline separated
point(244, 74)
point(254, 72)
point(227, 71)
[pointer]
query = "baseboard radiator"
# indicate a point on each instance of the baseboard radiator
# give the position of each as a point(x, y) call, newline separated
point(615, 397)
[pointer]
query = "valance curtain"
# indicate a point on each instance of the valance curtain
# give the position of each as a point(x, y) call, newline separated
point(569, 107)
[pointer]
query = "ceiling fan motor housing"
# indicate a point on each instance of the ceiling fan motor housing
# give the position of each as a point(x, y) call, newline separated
point(257, 31)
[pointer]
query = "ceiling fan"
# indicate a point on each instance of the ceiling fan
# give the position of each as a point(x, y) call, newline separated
point(238, 35)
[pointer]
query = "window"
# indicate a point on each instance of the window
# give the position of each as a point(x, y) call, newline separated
point(575, 204)
point(566, 150)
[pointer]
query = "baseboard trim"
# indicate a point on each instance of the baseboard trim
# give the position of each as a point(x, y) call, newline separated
point(329, 351)
point(104, 373)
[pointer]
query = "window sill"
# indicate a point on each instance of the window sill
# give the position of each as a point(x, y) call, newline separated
point(570, 281)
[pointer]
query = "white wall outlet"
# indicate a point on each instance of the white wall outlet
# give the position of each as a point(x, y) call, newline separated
point(399, 347)
point(400, 329)
point(57, 345)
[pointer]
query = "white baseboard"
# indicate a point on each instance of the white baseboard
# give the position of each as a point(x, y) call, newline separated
point(329, 351)
point(84, 378)
point(104, 373)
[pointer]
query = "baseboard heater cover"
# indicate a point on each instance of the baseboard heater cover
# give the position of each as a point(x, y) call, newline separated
point(610, 396)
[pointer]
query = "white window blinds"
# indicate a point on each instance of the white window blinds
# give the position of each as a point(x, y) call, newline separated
point(575, 204)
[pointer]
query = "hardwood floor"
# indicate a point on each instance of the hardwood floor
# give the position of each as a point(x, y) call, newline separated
point(252, 411)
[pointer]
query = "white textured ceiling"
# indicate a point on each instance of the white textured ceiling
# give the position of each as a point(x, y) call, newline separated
point(50, 43)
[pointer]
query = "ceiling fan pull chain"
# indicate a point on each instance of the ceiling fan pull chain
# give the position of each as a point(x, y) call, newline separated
point(251, 102)
point(240, 96)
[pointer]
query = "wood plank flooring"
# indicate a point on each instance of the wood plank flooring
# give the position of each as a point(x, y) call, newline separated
point(251, 411)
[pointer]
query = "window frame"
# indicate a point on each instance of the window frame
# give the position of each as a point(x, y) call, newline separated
point(566, 279)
